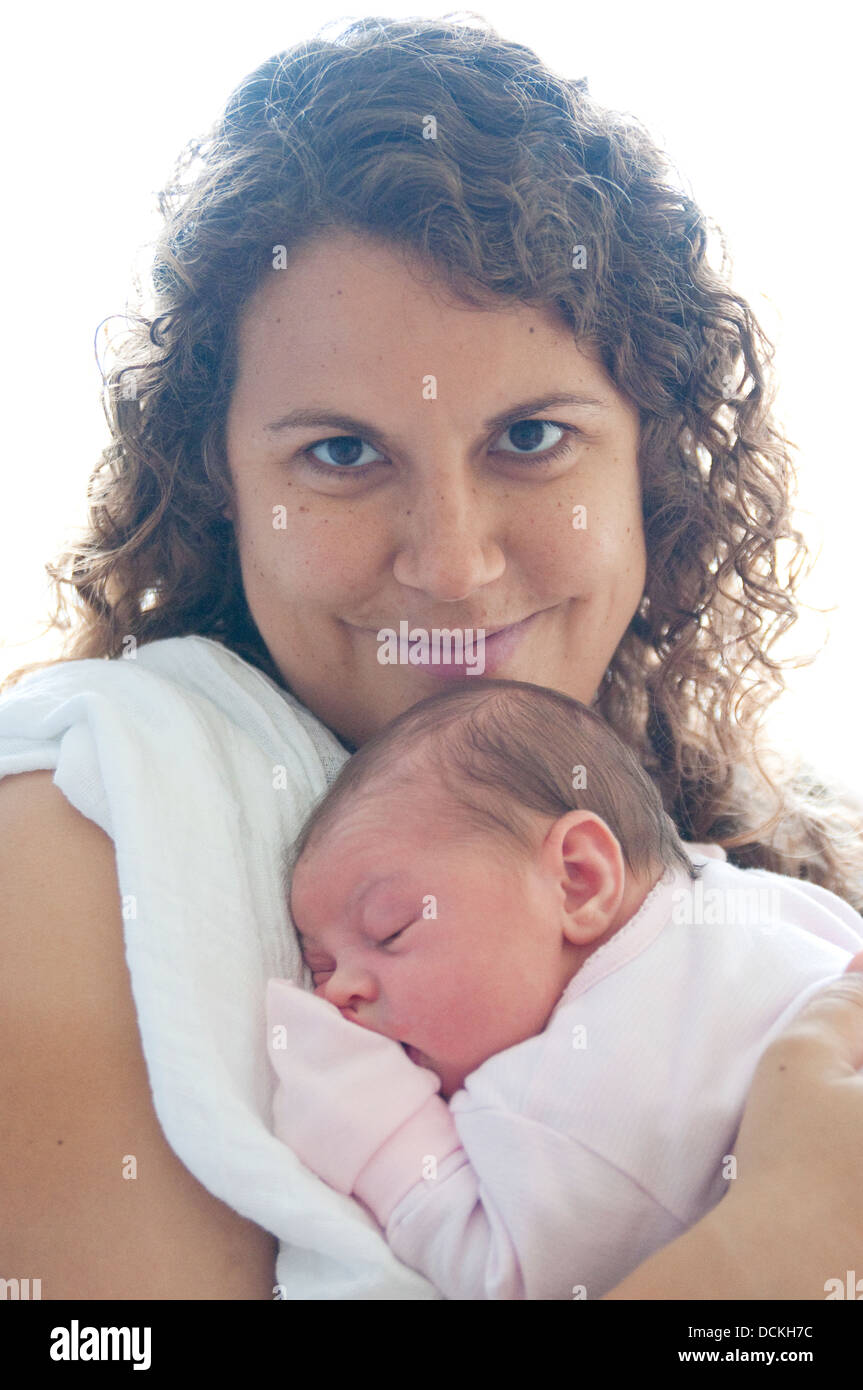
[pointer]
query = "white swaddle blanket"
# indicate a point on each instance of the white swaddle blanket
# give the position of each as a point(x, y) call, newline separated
point(201, 770)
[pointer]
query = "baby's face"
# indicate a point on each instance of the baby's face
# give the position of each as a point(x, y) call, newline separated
point(448, 944)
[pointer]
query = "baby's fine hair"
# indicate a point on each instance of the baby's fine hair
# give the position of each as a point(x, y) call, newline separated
point(498, 749)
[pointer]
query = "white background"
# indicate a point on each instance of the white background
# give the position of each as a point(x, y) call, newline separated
point(758, 105)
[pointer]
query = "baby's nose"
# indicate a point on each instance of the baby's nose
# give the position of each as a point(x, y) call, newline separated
point(322, 992)
point(346, 988)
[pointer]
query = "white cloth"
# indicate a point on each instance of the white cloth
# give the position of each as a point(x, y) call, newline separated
point(590, 1146)
point(201, 770)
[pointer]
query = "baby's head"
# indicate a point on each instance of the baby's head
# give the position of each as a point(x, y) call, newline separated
point(467, 861)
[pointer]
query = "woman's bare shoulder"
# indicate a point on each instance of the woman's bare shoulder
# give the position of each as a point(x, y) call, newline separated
point(100, 1206)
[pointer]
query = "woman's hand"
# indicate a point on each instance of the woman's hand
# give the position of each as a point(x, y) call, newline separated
point(793, 1218)
point(800, 1152)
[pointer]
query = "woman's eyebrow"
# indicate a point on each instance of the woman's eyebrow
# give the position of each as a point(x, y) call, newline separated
point(306, 417)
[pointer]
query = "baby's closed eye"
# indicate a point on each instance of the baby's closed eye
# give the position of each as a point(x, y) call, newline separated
point(320, 966)
point(319, 972)
point(395, 935)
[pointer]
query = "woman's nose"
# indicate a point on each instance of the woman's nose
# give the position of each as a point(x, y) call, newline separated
point(448, 547)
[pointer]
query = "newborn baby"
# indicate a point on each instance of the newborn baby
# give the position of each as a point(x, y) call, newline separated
point(498, 913)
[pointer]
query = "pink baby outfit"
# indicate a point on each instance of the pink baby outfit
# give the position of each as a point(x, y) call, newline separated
point(568, 1159)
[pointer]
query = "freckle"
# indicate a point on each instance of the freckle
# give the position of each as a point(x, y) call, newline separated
point(304, 509)
point(59, 1141)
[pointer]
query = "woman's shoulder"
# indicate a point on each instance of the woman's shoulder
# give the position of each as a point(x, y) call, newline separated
point(190, 663)
point(270, 714)
point(162, 685)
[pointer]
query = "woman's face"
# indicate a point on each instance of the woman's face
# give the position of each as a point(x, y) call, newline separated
point(410, 492)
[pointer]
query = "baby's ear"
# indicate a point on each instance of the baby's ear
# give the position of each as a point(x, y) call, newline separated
point(585, 923)
point(592, 875)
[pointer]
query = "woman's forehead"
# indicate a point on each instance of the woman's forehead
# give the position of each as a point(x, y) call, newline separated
point(347, 308)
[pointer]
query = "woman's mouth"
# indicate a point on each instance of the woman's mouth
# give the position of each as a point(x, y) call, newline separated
point(484, 654)
point(453, 653)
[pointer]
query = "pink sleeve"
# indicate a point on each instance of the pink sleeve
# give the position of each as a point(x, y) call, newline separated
point(402, 1160)
point(343, 1090)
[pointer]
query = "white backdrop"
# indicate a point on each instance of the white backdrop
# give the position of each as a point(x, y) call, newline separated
point(759, 108)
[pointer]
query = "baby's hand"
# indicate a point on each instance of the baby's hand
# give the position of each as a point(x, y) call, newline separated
point(343, 1089)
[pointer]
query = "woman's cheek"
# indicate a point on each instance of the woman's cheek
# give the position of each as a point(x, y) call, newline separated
point(609, 548)
point(301, 558)
point(574, 540)
point(565, 561)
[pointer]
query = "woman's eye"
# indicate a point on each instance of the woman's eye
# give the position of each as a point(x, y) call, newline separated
point(346, 450)
point(529, 434)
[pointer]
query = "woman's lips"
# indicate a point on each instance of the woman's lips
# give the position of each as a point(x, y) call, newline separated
point(486, 656)
point(498, 648)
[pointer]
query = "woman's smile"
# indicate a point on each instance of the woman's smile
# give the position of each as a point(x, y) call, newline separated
point(496, 646)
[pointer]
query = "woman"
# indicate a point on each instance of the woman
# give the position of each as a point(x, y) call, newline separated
point(399, 261)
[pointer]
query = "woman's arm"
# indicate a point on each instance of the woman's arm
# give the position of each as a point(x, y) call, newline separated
point(794, 1217)
point(74, 1090)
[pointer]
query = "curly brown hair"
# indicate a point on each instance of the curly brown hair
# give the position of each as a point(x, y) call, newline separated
point(524, 165)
